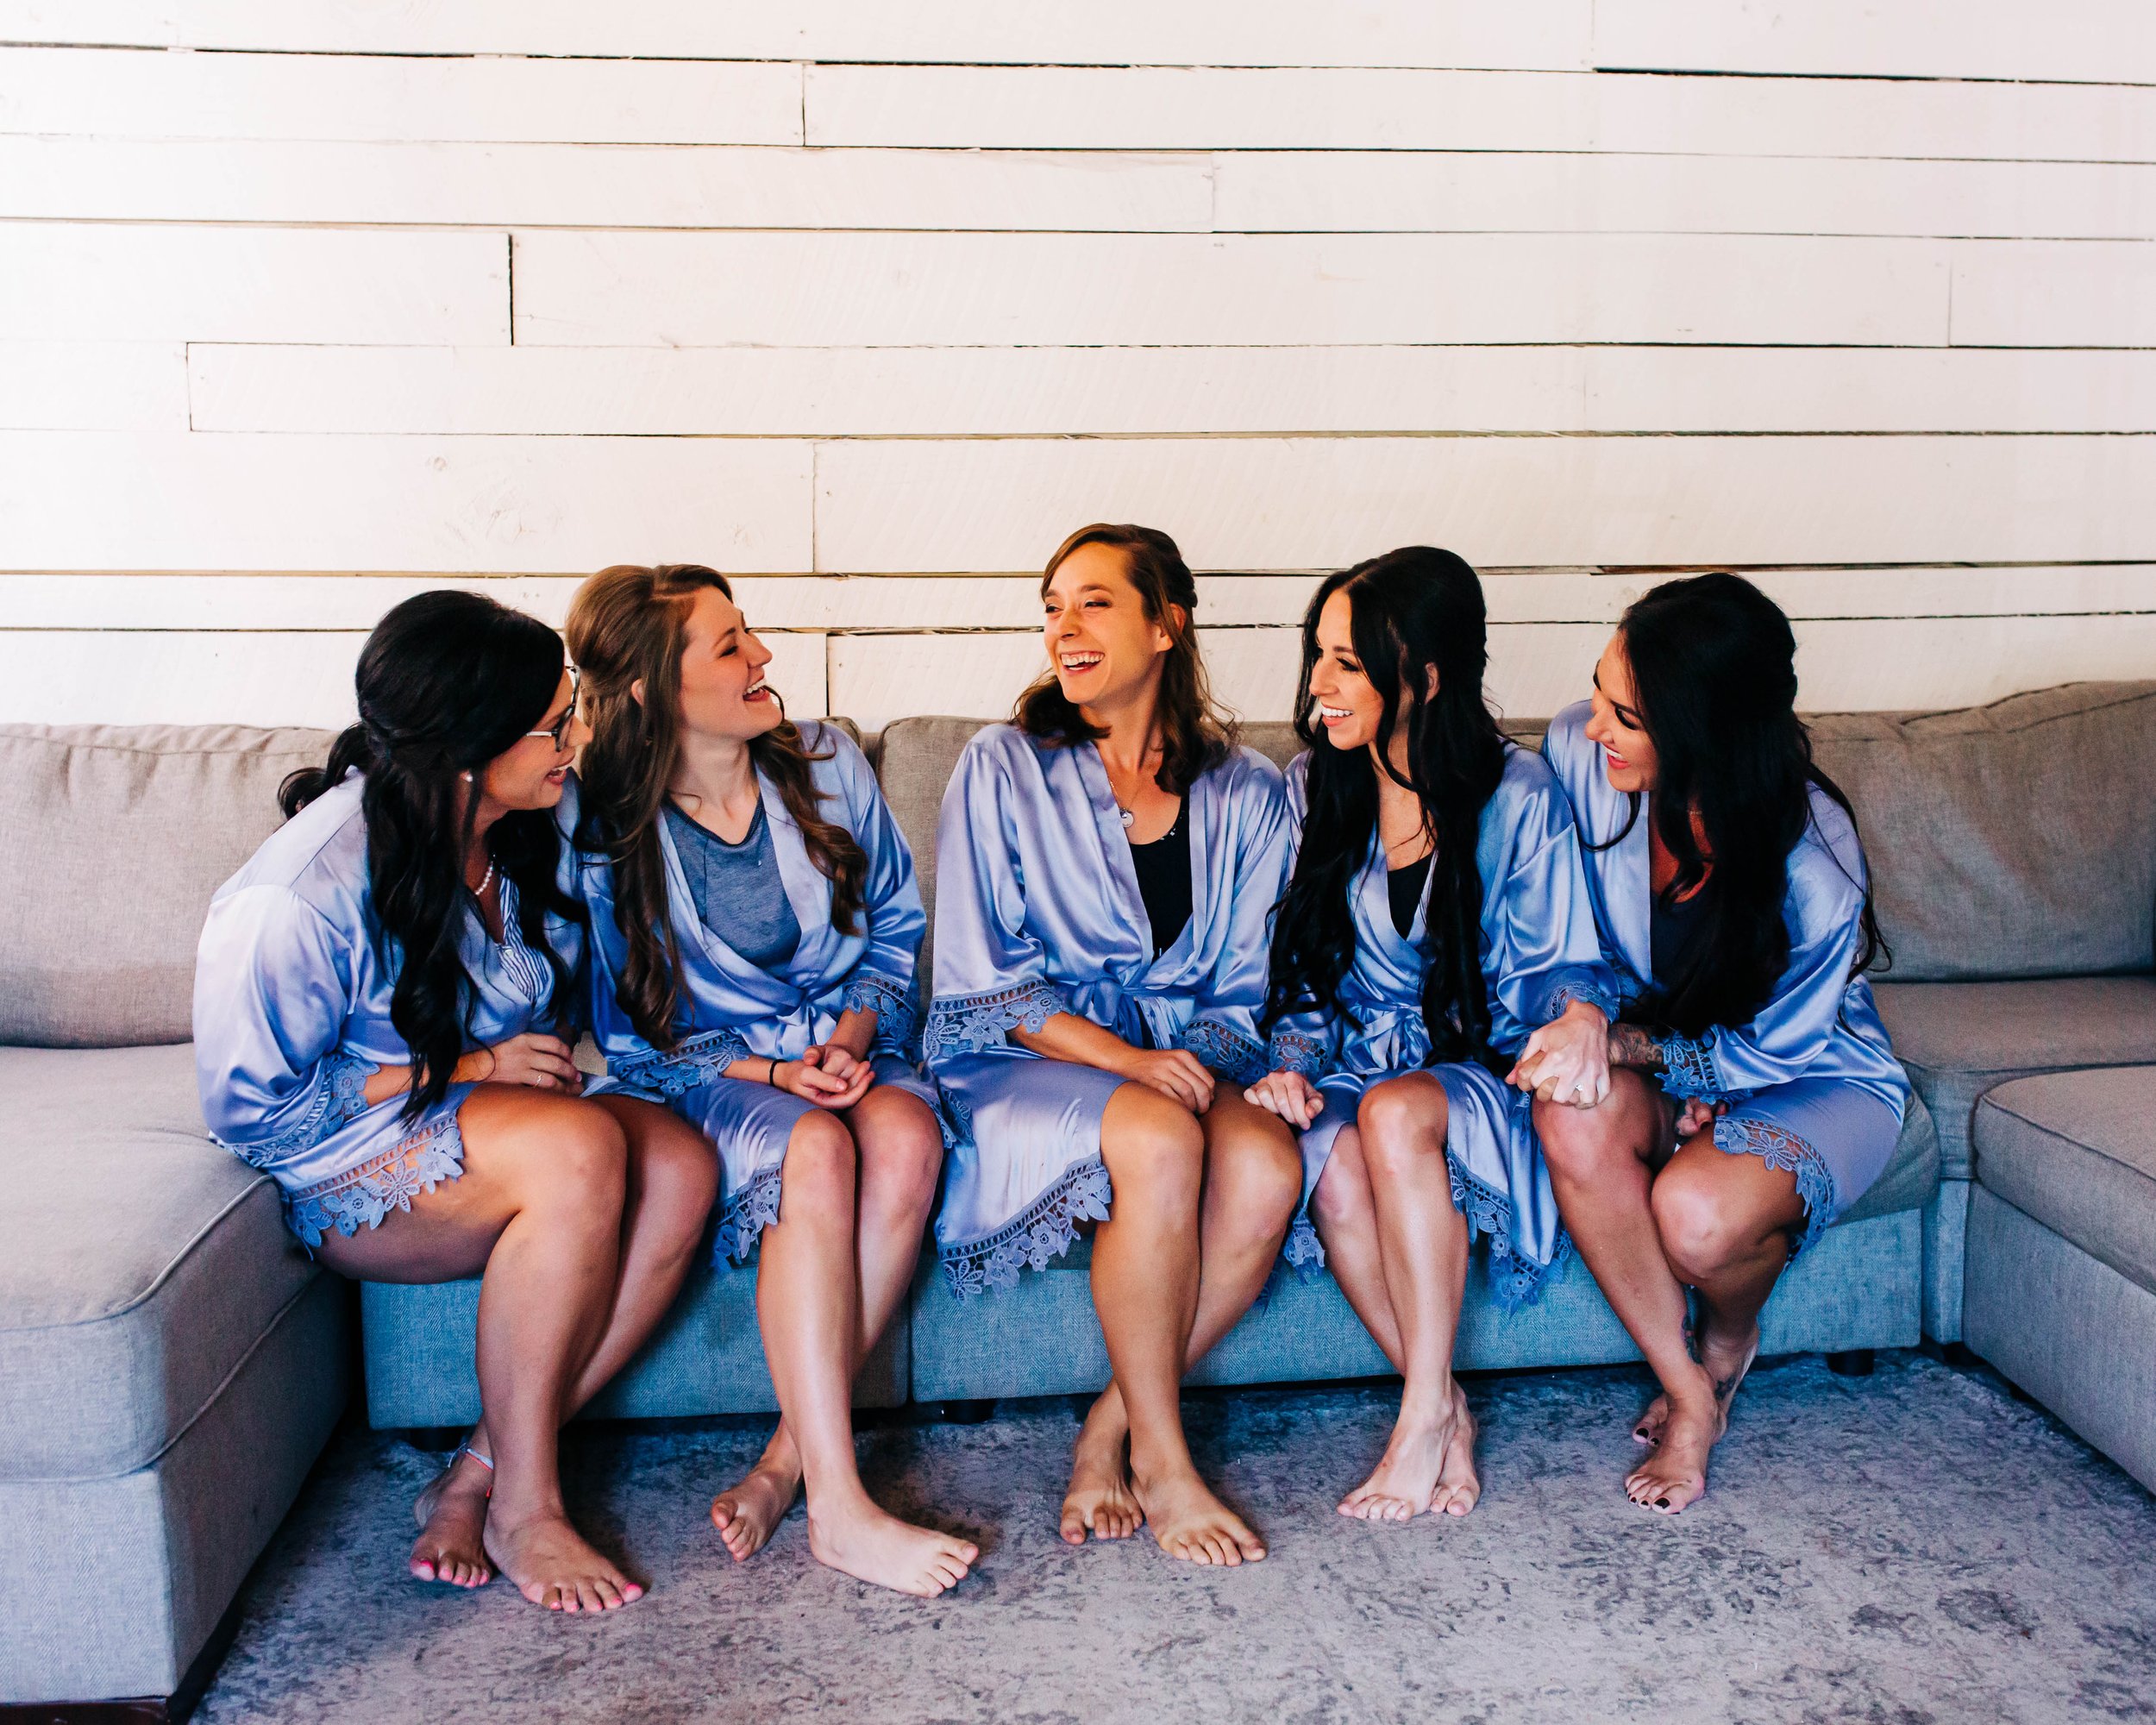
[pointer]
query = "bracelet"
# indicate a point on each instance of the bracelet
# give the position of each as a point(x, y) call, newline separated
point(771, 1077)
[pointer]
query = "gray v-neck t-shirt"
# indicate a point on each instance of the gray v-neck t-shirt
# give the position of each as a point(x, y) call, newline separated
point(739, 893)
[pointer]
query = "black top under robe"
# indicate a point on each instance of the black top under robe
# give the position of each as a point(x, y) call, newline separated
point(1403, 885)
point(1163, 879)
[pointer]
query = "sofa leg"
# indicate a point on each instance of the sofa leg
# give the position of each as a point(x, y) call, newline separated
point(1855, 1363)
point(965, 1413)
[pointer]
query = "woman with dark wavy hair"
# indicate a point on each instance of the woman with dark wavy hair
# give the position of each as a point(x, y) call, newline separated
point(1757, 1096)
point(1107, 863)
point(383, 997)
point(754, 925)
point(1436, 927)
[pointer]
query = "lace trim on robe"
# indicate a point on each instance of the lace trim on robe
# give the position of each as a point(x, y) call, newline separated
point(746, 1215)
point(1784, 1150)
point(340, 1097)
point(690, 1065)
point(1294, 1050)
point(362, 1197)
point(898, 1019)
point(974, 1023)
point(1513, 1281)
point(1566, 994)
point(1228, 1052)
point(1044, 1231)
point(1688, 1067)
point(1303, 1250)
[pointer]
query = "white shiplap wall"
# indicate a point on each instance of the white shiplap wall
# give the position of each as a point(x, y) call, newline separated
point(307, 305)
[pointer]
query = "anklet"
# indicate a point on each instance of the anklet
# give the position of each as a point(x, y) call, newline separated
point(466, 1449)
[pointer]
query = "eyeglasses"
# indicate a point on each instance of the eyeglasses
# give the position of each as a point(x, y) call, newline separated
point(558, 732)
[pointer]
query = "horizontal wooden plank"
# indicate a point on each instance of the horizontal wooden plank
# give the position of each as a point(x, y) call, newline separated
point(118, 93)
point(512, 505)
point(150, 677)
point(2091, 296)
point(93, 385)
point(1207, 108)
point(1524, 33)
point(1535, 669)
point(833, 290)
point(1282, 504)
point(100, 282)
point(584, 185)
point(1421, 191)
point(854, 605)
point(954, 391)
point(2096, 41)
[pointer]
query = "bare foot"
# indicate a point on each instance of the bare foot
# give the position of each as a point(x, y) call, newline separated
point(1647, 1430)
point(1189, 1522)
point(553, 1566)
point(1100, 1501)
point(1404, 1483)
point(1674, 1471)
point(750, 1513)
point(1459, 1487)
point(872, 1545)
point(452, 1516)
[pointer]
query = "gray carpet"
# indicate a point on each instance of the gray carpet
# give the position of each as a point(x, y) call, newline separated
point(1915, 1545)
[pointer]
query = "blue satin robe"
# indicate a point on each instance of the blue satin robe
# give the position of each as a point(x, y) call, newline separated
point(1813, 1082)
point(1538, 954)
point(734, 1010)
point(291, 1017)
point(1037, 912)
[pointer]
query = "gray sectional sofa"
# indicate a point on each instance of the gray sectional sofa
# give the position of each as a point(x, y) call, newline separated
point(171, 1364)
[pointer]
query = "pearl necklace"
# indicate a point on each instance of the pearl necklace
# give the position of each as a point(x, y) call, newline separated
point(485, 880)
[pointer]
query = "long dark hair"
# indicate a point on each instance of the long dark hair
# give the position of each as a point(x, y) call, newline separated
point(1713, 678)
point(627, 624)
point(1412, 609)
point(1195, 734)
point(447, 681)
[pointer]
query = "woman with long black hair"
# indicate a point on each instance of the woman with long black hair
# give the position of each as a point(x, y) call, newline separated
point(1107, 863)
point(1759, 1096)
point(755, 925)
point(1435, 941)
point(383, 999)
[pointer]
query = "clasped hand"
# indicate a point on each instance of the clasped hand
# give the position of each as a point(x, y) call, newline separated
point(1568, 1059)
point(827, 1075)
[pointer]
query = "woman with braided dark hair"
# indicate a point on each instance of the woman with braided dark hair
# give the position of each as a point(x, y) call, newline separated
point(384, 997)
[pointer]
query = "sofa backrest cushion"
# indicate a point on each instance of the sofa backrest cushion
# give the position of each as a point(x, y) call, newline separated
point(2017, 839)
point(116, 839)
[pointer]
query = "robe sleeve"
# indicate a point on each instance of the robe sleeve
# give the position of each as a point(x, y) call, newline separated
point(1553, 952)
point(1223, 1030)
point(1792, 1030)
point(882, 980)
point(272, 990)
point(1307, 1041)
point(991, 975)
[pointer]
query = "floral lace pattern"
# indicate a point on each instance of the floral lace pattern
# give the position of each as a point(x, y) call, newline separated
point(898, 1019)
point(1294, 1050)
point(1228, 1052)
point(694, 1063)
point(746, 1215)
point(1044, 1231)
point(362, 1197)
point(974, 1023)
point(1513, 1281)
point(1570, 992)
point(1688, 1066)
point(1303, 1250)
point(1784, 1150)
point(340, 1096)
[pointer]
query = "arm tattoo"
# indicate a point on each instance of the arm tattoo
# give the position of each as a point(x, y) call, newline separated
point(1631, 1045)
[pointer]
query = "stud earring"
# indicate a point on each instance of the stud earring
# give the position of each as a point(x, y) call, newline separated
point(466, 777)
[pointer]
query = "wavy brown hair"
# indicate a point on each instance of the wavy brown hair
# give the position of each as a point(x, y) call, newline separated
point(1195, 733)
point(627, 624)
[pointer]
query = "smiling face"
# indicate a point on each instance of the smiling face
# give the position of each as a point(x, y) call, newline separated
point(722, 693)
point(1628, 756)
point(1105, 651)
point(531, 772)
point(1348, 704)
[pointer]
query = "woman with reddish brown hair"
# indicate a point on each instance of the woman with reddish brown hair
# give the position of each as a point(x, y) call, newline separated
point(755, 925)
point(1107, 862)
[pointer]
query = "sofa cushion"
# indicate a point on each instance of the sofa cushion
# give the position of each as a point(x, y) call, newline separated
point(1958, 1039)
point(2007, 840)
point(2076, 1152)
point(117, 837)
point(139, 1262)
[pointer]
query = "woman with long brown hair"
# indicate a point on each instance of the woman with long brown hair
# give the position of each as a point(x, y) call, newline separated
point(1107, 864)
point(755, 925)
